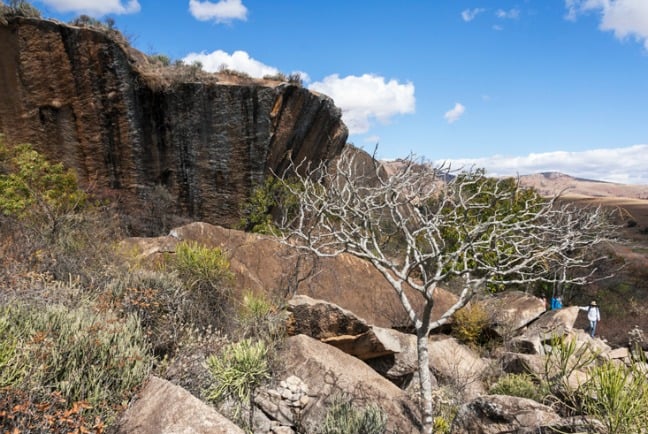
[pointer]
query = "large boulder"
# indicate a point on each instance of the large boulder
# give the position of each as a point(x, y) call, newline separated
point(457, 365)
point(553, 324)
point(164, 408)
point(509, 311)
point(500, 414)
point(516, 363)
point(322, 320)
point(328, 373)
point(401, 366)
point(339, 327)
point(263, 265)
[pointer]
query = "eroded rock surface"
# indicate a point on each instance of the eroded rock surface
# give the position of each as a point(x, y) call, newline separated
point(164, 408)
point(90, 101)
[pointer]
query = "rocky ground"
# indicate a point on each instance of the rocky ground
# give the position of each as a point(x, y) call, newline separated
point(345, 345)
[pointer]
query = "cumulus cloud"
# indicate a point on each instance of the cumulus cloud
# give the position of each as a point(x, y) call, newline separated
point(626, 18)
point(623, 165)
point(222, 11)
point(367, 98)
point(237, 61)
point(93, 7)
point(511, 14)
point(453, 115)
point(470, 14)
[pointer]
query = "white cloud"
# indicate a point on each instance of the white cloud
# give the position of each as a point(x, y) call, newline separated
point(237, 61)
point(626, 18)
point(511, 14)
point(94, 7)
point(470, 14)
point(498, 28)
point(222, 11)
point(454, 113)
point(622, 165)
point(367, 98)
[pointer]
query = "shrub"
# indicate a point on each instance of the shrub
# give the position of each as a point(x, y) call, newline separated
point(469, 324)
point(343, 418)
point(48, 221)
point(238, 371)
point(202, 267)
point(87, 21)
point(265, 200)
point(295, 78)
point(206, 274)
point(441, 425)
point(261, 318)
point(521, 385)
point(161, 59)
point(617, 395)
point(33, 189)
point(20, 413)
point(565, 356)
point(18, 8)
point(86, 357)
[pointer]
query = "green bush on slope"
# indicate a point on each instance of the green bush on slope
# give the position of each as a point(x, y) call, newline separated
point(85, 356)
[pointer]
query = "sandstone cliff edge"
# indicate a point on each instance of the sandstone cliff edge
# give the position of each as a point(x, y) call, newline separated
point(89, 100)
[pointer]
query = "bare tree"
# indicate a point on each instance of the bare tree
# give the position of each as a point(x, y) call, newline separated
point(423, 226)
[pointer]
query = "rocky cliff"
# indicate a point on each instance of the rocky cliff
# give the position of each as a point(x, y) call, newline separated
point(85, 98)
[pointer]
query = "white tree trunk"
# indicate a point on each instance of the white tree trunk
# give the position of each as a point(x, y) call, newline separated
point(425, 381)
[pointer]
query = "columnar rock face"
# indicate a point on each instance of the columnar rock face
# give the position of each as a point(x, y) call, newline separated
point(89, 101)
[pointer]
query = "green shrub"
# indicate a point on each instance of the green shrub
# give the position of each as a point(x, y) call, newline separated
point(48, 221)
point(617, 395)
point(32, 188)
point(84, 356)
point(469, 323)
point(521, 385)
point(441, 425)
point(9, 372)
point(565, 356)
point(206, 274)
point(261, 318)
point(202, 267)
point(238, 371)
point(266, 199)
point(344, 418)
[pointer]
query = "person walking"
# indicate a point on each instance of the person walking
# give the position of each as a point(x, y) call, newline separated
point(593, 315)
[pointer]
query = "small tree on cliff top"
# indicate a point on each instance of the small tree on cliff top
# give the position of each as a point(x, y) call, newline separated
point(421, 227)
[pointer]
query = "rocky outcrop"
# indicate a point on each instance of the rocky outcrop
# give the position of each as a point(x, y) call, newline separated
point(511, 310)
point(330, 374)
point(552, 324)
point(88, 100)
point(457, 365)
point(263, 265)
point(338, 327)
point(164, 408)
point(499, 414)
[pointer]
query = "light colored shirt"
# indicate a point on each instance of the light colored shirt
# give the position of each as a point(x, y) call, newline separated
point(593, 313)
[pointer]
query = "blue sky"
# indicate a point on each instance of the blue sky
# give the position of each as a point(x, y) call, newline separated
point(513, 86)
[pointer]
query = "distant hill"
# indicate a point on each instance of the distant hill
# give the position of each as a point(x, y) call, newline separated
point(551, 183)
